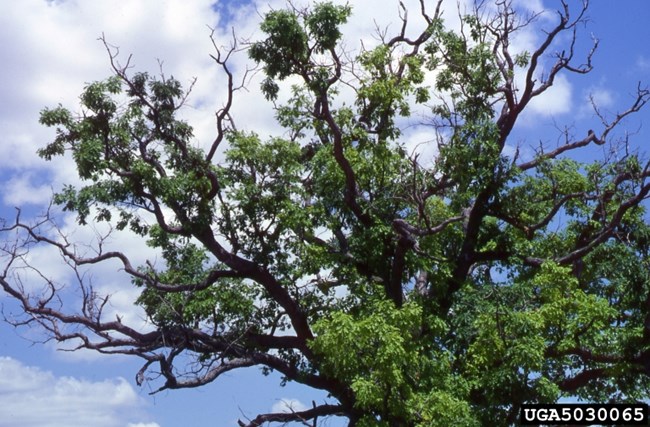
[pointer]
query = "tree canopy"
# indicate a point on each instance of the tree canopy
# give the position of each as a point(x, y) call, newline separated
point(446, 290)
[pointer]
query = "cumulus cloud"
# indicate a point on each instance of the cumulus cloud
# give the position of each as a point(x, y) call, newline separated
point(31, 397)
point(602, 97)
point(555, 101)
point(54, 52)
point(287, 405)
point(22, 190)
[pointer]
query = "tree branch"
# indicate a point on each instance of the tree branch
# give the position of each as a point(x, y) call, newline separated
point(302, 416)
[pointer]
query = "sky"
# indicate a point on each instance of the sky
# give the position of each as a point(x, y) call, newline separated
point(49, 50)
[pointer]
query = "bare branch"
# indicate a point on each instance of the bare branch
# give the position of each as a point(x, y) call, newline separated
point(302, 416)
point(223, 115)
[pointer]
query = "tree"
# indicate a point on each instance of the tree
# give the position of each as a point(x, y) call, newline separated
point(416, 292)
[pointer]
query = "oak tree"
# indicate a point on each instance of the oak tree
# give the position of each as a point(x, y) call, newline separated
point(416, 291)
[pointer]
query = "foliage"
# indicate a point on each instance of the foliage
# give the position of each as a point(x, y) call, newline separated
point(416, 292)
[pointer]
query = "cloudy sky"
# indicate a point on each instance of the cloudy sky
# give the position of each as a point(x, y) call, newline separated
point(49, 50)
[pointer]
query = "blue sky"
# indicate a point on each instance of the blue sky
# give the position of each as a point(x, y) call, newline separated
point(49, 50)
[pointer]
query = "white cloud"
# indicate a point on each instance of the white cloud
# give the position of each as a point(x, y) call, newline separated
point(421, 141)
point(602, 97)
point(54, 52)
point(533, 6)
point(31, 397)
point(555, 101)
point(287, 405)
point(22, 190)
point(599, 96)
